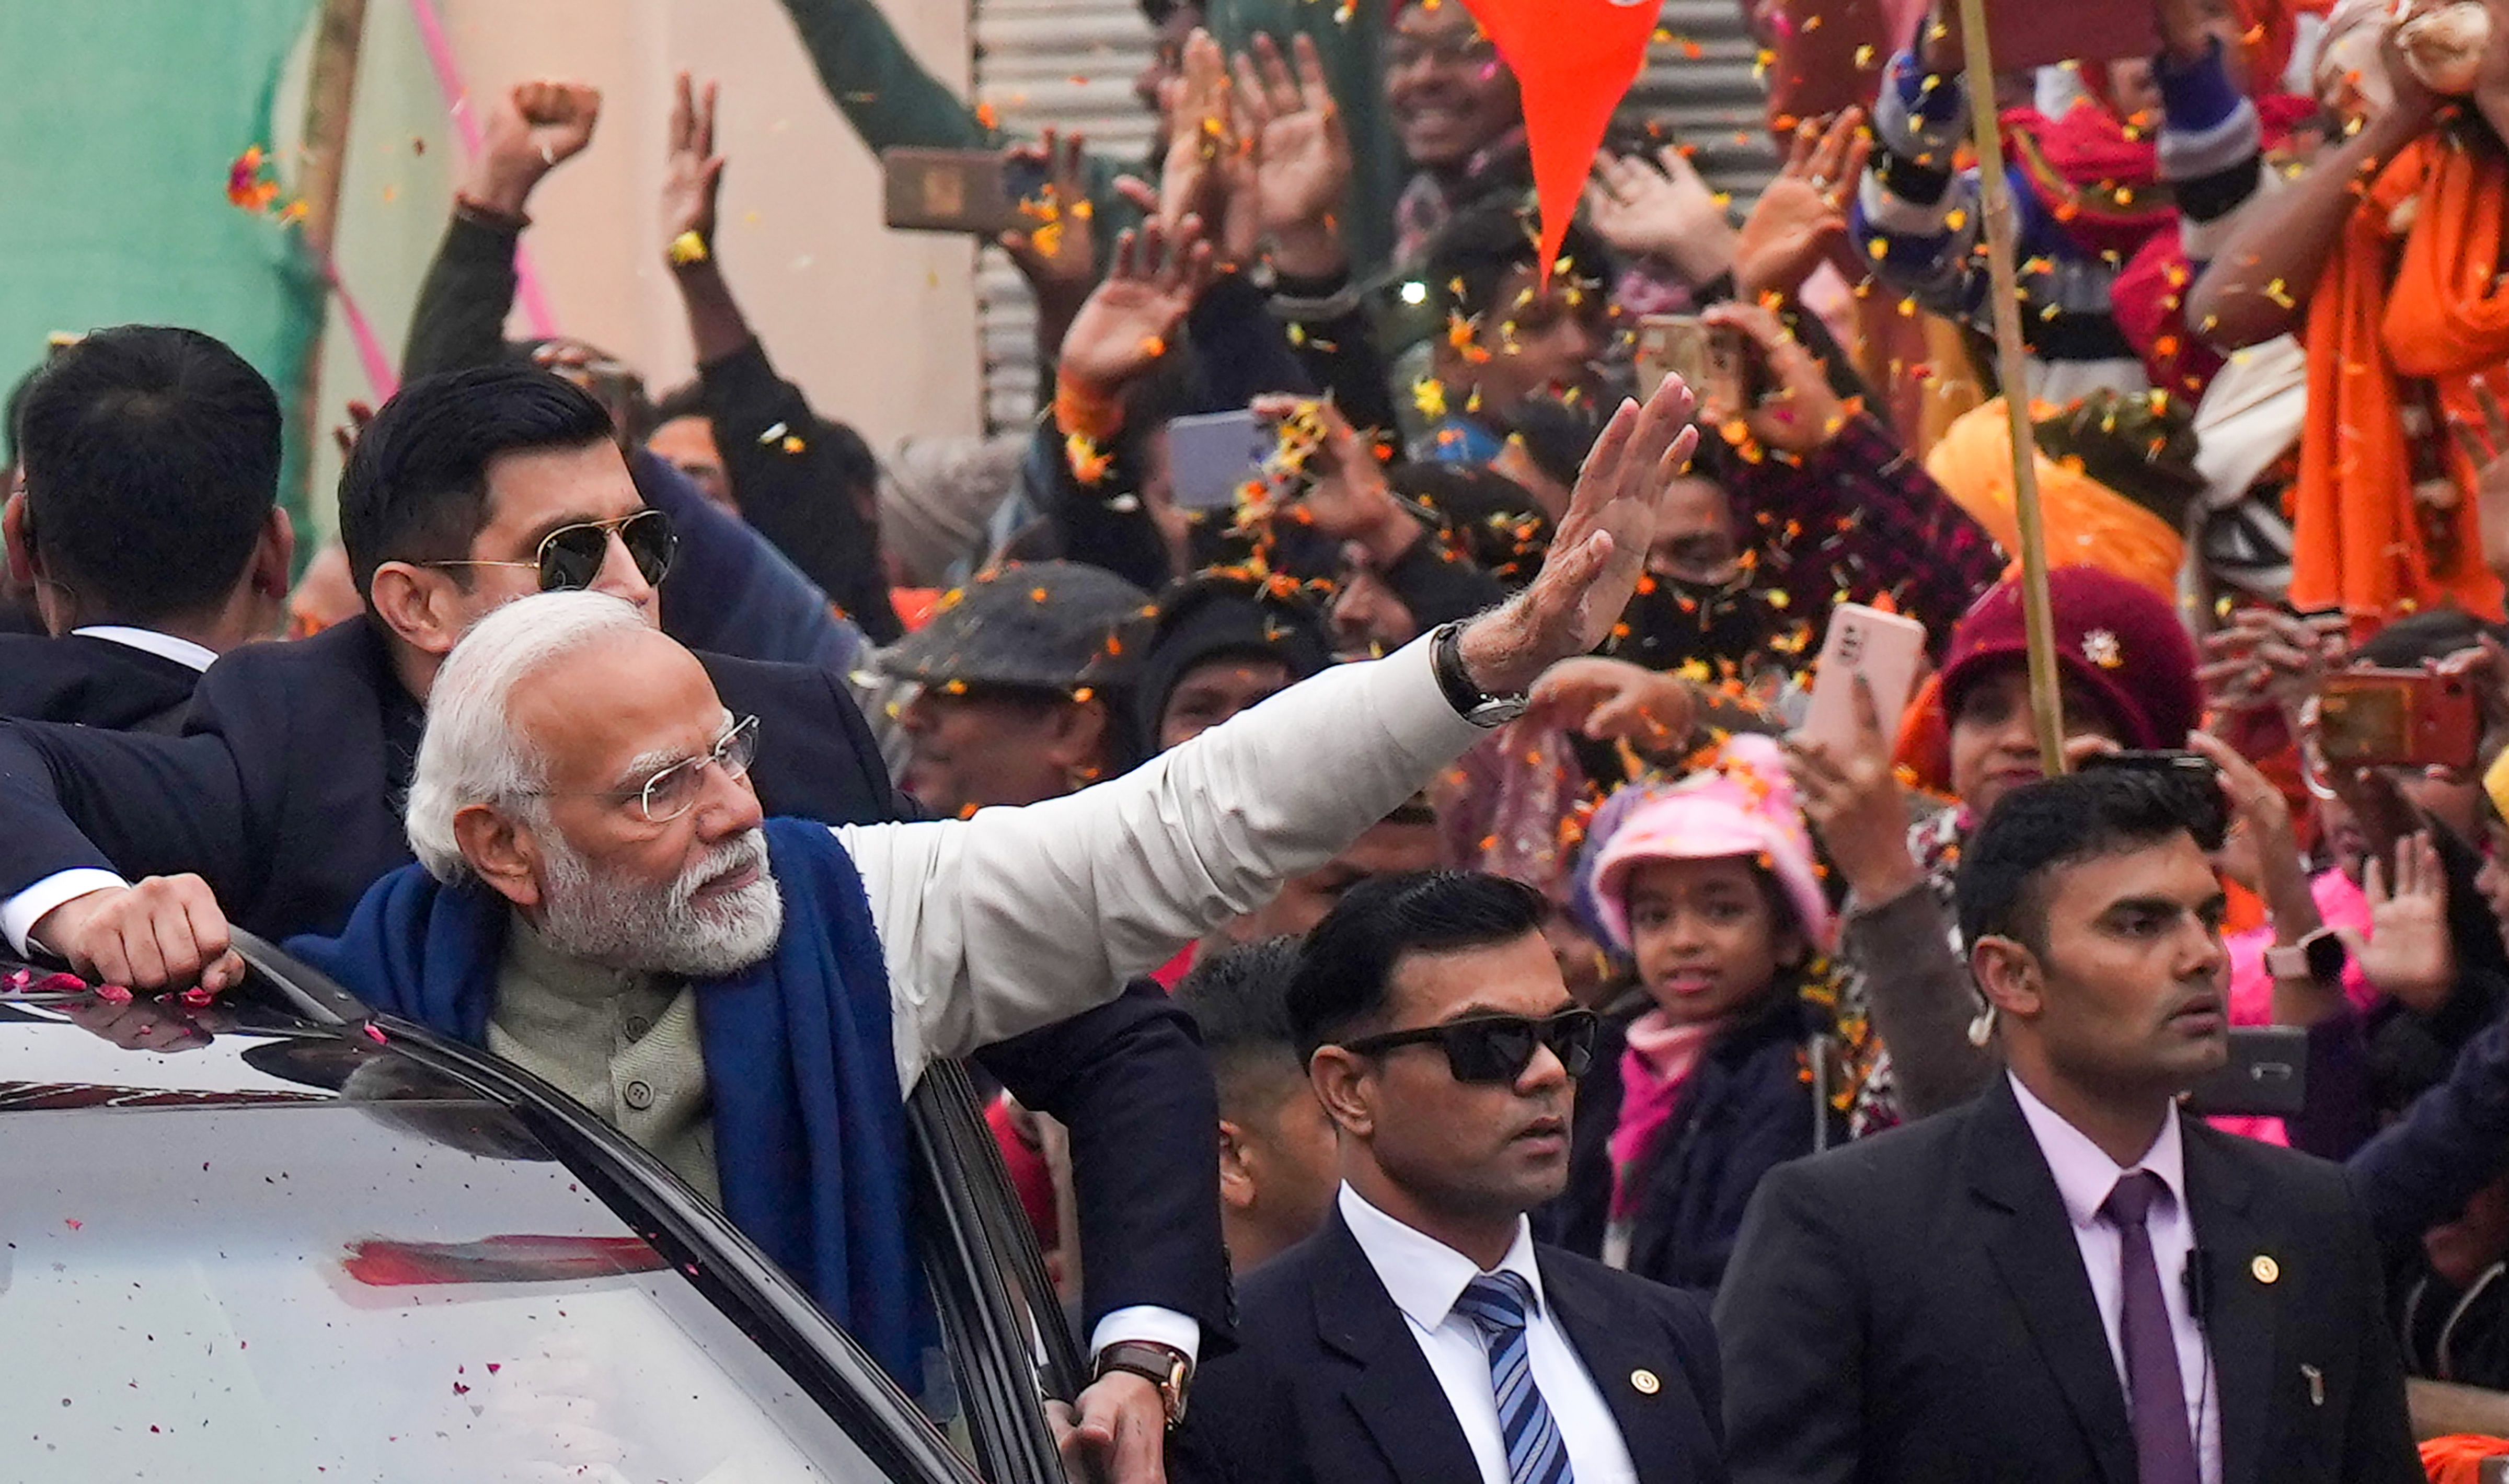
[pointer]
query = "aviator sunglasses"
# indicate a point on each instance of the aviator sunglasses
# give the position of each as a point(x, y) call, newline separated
point(1496, 1047)
point(570, 557)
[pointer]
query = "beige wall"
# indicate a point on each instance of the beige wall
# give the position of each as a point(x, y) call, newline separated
point(880, 327)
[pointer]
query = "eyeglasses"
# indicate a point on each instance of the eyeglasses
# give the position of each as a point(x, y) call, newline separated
point(675, 789)
point(1496, 1047)
point(570, 557)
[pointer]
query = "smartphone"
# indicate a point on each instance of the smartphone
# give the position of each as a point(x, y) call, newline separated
point(2265, 1077)
point(972, 191)
point(1736, 373)
point(1212, 458)
point(1886, 649)
point(1674, 345)
point(2035, 33)
point(2397, 719)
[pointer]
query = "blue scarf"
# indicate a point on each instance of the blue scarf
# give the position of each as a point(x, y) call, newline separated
point(810, 1123)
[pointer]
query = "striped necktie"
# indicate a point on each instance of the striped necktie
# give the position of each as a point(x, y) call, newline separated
point(1496, 1303)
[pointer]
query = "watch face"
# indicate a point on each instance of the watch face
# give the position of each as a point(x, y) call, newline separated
point(2326, 956)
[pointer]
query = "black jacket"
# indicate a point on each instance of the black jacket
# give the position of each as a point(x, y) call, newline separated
point(285, 793)
point(1329, 1386)
point(1914, 1307)
point(92, 682)
point(1745, 1110)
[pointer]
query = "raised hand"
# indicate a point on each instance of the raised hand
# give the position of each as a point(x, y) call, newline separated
point(692, 173)
point(1058, 255)
point(1802, 213)
point(1611, 700)
point(2264, 658)
point(1202, 141)
point(2408, 953)
point(1301, 164)
point(1129, 318)
point(1667, 213)
point(1346, 497)
point(1803, 414)
point(1599, 550)
point(1855, 805)
point(531, 131)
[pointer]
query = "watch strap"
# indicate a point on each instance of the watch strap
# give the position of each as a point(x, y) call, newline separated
point(1470, 700)
point(1164, 1366)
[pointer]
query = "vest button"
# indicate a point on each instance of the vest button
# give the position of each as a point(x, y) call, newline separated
point(640, 1096)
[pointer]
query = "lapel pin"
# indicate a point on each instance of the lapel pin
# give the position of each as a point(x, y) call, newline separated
point(2265, 1269)
point(2316, 1384)
point(1645, 1382)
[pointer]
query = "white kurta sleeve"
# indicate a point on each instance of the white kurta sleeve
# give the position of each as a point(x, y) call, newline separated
point(1018, 917)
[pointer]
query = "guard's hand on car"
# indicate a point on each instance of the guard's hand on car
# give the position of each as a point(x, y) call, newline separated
point(165, 933)
point(1119, 1434)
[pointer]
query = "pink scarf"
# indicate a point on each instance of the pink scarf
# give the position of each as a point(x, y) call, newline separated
point(1660, 1056)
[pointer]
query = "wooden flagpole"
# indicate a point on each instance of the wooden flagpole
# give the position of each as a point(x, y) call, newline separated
point(2012, 363)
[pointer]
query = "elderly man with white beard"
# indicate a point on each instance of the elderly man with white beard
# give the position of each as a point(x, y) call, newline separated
point(591, 857)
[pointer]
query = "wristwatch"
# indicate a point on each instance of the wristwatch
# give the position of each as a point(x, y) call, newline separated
point(2320, 955)
point(1470, 700)
point(1164, 1366)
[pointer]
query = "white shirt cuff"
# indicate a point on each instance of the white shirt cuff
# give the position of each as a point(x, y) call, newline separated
point(21, 912)
point(1148, 1322)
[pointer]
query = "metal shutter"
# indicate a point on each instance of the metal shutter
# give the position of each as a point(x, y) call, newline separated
point(1072, 63)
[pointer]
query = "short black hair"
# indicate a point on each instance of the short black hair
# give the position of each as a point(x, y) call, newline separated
point(685, 400)
point(1490, 520)
point(1239, 999)
point(1471, 255)
point(151, 455)
point(1349, 959)
point(2056, 822)
point(416, 486)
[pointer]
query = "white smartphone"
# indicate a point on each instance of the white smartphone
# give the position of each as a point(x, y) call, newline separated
point(1885, 649)
point(1211, 457)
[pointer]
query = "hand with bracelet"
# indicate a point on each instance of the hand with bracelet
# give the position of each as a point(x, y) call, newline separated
point(531, 131)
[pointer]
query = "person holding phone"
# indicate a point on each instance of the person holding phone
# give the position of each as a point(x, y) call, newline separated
point(2128, 678)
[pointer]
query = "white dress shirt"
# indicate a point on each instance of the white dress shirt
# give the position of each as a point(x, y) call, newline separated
point(1425, 1277)
point(181, 652)
point(2084, 1176)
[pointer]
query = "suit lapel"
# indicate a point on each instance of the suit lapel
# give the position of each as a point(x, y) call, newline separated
point(1392, 1389)
point(1654, 1423)
point(2031, 1242)
point(2220, 1201)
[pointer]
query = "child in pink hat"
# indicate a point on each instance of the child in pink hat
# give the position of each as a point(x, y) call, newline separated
point(1711, 885)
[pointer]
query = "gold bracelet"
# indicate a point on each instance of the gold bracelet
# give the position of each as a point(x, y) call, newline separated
point(688, 248)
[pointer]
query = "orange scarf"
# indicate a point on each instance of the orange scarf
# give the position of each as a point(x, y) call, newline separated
point(2357, 541)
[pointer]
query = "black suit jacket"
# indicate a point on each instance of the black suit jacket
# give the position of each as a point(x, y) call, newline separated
point(92, 682)
point(285, 791)
point(1328, 1387)
point(1915, 1308)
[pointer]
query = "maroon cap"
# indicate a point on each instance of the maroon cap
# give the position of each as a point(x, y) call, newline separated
point(2117, 638)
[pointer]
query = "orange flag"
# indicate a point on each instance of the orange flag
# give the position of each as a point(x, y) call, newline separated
point(1573, 61)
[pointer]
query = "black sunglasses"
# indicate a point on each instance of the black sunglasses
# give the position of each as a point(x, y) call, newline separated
point(1496, 1047)
point(570, 557)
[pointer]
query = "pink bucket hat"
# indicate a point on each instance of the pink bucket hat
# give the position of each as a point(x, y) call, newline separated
point(1744, 805)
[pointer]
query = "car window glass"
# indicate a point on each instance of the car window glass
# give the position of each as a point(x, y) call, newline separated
point(407, 1291)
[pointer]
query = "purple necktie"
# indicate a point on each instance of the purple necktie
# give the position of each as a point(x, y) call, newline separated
point(2164, 1452)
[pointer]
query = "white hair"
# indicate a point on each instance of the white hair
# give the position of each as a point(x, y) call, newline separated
point(472, 753)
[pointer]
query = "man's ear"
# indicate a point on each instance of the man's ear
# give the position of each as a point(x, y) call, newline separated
point(1342, 1083)
point(274, 557)
point(506, 854)
point(2009, 974)
point(419, 605)
point(1076, 741)
point(13, 533)
point(1236, 1168)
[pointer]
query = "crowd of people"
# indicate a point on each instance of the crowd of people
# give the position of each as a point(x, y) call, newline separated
point(1444, 1013)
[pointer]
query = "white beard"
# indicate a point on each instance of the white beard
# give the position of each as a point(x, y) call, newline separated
point(661, 930)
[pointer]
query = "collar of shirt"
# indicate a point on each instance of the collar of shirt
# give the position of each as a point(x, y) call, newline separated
point(2084, 1173)
point(181, 652)
point(1424, 1275)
